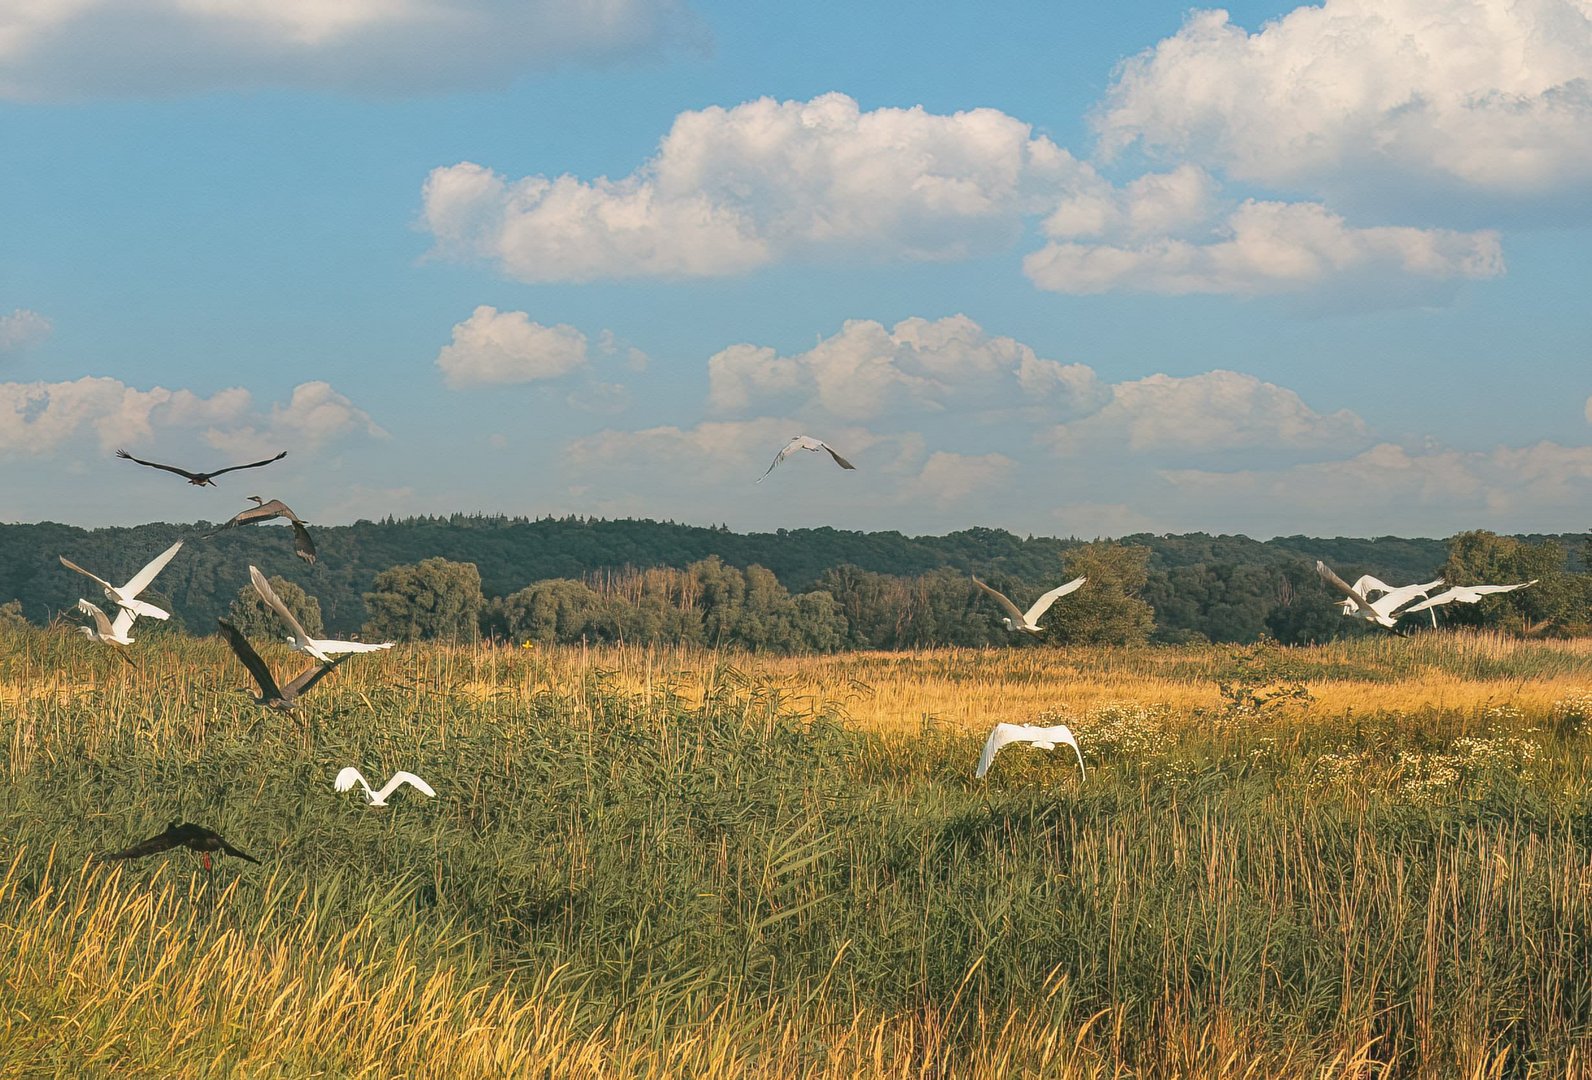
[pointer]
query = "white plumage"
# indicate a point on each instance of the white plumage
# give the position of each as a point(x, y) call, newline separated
point(104, 630)
point(1468, 594)
point(126, 597)
point(320, 648)
point(1040, 738)
point(351, 776)
point(1028, 621)
point(805, 442)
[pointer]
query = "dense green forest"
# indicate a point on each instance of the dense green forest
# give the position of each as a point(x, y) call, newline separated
point(820, 589)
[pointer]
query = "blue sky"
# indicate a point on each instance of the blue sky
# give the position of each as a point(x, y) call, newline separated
point(1063, 269)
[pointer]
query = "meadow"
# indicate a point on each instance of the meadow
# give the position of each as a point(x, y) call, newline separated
point(1364, 859)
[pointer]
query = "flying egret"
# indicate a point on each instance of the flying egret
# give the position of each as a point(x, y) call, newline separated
point(805, 442)
point(127, 595)
point(1468, 594)
point(1040, 738)
point(193, 837)
point(1028, 621)
point(104, 630)
point(300, 639)
point(200, 479)
point(1385, 610)
point(303, 546)
point(281, 698)
point(1386, 599)
point(351, 776)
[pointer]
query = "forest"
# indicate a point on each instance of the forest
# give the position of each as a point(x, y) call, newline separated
point(572, 579)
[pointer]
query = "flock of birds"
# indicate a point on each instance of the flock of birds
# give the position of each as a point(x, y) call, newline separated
point(1369, 598)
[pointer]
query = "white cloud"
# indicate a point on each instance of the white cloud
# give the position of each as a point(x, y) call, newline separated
point(1589, 410)
point(1390, 489)
point(21, 329)
point(492, 347)
point(314, 415)
point(1260, 248)
point(72, 49)
point(1489, 95)
point(38, 417)
point(948, 479)
point(866, 370)
point(1213, 411)
point(734, 189)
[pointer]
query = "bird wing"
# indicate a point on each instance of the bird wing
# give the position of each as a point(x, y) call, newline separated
point(1366, 584)
point(123, 621)
point(235, 853)
point(157, 465)
point(1342, 586)
point(101, 623)
point(140, 581)
point(70, 565)
point(1393, 599)
point(785, 452)
point(1000, 598)
point(999, 737)
point(399, 778)
point(250, 465)
point(274, 602)
point(351, 646)
point(842, 462)
point(161, 842)
point(250, 659)
point(1042, 605)
point(309, 677)
point(348, 777)
point(263, 512)
point(1061, 733)
point(303, 546)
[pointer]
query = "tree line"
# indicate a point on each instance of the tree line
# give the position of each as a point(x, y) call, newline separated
point(570, 580)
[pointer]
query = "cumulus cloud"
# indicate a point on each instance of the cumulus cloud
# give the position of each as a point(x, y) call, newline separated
point(1259, 248)
point(1493, 96)
point(493, 347)
point(948, 479)
point(38, 417)
point(72, 49)
point(21, 329)
point(733, 189)
point(1387, 486)
point(1214, 411)
point(866, 370)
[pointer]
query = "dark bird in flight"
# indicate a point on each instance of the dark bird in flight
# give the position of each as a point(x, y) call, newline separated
point(200, 479)
point(271, 695)
point(303, 546)
point(179, 834)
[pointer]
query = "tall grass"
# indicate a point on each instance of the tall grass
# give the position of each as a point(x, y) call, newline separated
point(686, 864)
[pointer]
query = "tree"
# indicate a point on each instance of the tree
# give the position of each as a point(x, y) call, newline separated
point(558, 610)
point(1485, 558)
point(11, 617)
point(1107, 610)
point(253, 619)
point(432, 600)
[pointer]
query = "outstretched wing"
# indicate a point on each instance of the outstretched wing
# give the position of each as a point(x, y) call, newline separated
point(842, 462)
point(263, 512)
point(101, 623)
point(70, 565)
point(154, 845)
point(141, 580)
point(348, 777)
point(309, 677)
point(785, 452)
point(157, 465)
point(274, 602)
point(1061, 733)
point(1342, 586)
point(1042, 605)
point(1000, 598)
point(250, 659)
point(1393, 599)
point(235, 853)
point(303, 546)
point(999, 737)
point(330, 647)
point(250, 465)
point(413, 781)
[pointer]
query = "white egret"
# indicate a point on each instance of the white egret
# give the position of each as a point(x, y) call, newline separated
point(1028, 621)
point(320, 648)
point(351, 776)
point(805, 442)
point(126, 596)
point(104, 630)
point(1384, 611)
point(1039, 738)
point(1468, 594)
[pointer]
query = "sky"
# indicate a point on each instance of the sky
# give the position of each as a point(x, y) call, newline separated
point(1066, 269)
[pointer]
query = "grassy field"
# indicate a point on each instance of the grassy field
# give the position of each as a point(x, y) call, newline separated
point(1366, 859)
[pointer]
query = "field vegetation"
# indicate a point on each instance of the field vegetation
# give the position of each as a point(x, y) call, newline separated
point(1364, 859)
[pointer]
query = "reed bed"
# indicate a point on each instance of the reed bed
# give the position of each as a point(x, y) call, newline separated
point(651, 863)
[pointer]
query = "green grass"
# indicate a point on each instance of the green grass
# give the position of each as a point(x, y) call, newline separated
point(750, 886)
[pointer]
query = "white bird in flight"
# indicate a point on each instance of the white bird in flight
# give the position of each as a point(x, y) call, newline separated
point(322, 649)
point(104, 630)
point(1041, 738)
point(126, 597)
point(805, 442)
point(1385, 610)
point(351, 776)
point(1391, 598)
point(1028, 621)
point(1468, 594)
